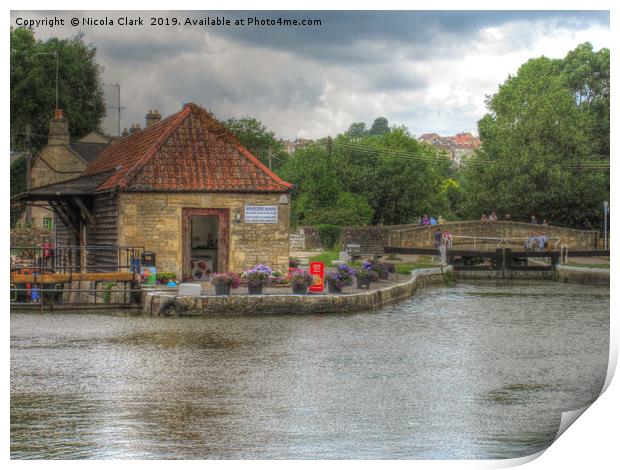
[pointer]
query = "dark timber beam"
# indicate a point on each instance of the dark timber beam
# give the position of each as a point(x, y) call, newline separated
point(84, 210)
point(60, 212)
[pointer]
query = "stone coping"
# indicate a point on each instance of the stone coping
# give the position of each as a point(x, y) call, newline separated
point(270, 304)
point(581, 275)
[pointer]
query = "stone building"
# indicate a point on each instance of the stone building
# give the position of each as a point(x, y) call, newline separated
point(183, 188)
point(61, 159)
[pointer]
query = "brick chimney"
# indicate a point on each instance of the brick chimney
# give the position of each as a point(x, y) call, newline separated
point(125, 132)
point(134, 128)
point(59, 129)
point(152, 117)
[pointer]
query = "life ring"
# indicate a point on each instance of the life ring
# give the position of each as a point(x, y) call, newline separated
point(170, 308)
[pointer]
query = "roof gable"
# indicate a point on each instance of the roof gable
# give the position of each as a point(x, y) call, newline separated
point(188, 151)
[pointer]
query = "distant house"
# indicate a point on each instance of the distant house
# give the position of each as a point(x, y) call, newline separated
point(184, 188)
point(459, 147)
point(290, 147)
point(61, 159)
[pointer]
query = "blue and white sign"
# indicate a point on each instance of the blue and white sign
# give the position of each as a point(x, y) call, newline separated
point(261, 215)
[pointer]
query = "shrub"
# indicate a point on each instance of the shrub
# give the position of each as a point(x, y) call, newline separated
point(329, 235)
point(293, 263)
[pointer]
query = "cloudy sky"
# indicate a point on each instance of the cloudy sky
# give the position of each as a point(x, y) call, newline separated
point(427, 70)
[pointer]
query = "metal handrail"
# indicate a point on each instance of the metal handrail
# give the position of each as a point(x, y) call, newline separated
point(69, 258)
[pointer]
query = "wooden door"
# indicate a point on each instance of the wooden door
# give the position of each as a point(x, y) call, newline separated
point(223, 230)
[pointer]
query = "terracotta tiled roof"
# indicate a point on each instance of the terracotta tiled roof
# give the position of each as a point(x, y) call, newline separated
point(188, 151)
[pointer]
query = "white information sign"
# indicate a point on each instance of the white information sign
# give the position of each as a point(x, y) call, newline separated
point(261, 214)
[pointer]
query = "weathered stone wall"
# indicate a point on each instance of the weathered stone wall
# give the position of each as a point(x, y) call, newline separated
point(154, 220)
point(371, 235)
point(423, 236)
point(578, 275)
point(295, 304)
point(311, 237)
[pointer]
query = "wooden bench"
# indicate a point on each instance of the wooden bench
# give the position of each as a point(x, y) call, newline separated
point(356, 251)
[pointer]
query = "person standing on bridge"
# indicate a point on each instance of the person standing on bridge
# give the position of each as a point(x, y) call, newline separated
point(425, 220)
point(532, 242)
point(542, 241)
point(533, 220)
point(493, 217)
point(447, 239)
point(484, 219)
point(437, 236)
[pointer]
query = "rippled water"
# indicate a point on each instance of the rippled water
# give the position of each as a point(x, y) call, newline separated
point(472, 371)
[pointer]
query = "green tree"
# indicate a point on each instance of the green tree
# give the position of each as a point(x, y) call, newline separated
point(399, 176)
point(319, 197)
point(382, 179)
point(379, 126)
point(357, 129)
point(259, 140)
point(587, 75)
point(18, 184)
point(541, 147)
point(33, 87)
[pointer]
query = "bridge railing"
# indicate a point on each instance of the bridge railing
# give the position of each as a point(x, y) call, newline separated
point(499, 242)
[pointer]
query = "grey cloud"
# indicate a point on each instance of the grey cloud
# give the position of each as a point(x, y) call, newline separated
point(313, 80)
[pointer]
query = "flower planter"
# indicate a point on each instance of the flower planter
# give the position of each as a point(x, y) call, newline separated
point(255, 290)
point(363, 283)
point(222, 289)
point(300, 290)
point(333, 288)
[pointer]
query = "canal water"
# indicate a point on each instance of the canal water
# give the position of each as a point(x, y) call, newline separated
point(473, 371)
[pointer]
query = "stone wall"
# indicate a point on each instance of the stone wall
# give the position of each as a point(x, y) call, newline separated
point(579, 275)
point(154, 220)
point(295, 304)
point(312, 240)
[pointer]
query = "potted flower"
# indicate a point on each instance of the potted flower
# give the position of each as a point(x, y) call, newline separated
point(341, 277)
point(383, 270)
point(365, 275)
point(256, 278)
point(224, 281)
point(300, 280)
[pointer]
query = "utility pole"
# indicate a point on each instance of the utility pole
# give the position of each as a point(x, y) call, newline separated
point(269, 159)
point(55, 54)
point(605, 211)
point(329, 146)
